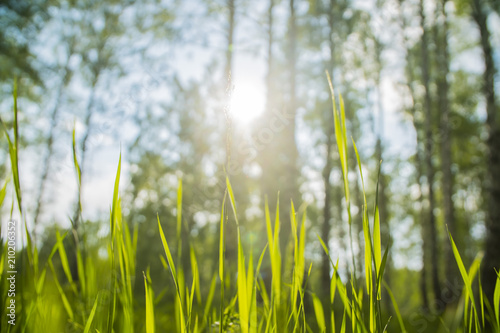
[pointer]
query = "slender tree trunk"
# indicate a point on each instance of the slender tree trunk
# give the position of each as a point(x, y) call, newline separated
point(50, 142)
point(428, 157)
point(230, 37)
point(288, 145)
point(228, 77)
point(418, 163)
point(424, 289)
point(443, 62)
point(270, 170)
point(492, 250)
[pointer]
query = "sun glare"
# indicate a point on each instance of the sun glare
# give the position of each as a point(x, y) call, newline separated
point(247, 101)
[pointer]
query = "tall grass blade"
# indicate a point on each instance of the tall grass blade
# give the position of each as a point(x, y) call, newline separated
point(342, 328)
point(64, 260)
point(481, 298)
point(64, 299)
point(396, 307)
point(3, 191)
point(496, 300)
point(210, 297)
point(179, 289)
point(320, 315)
point(179, 209)
point(465, 276)
point(377, 243)
point(115, 203)
point(231, 200)
point(243, 299)
point(196, 274)
point(222, 250)
point(91, 316)
point(340, 136)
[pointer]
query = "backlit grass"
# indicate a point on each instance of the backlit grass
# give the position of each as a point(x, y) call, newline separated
point(100, 298)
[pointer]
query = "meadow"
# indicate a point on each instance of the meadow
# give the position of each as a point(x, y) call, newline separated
point(97, 293)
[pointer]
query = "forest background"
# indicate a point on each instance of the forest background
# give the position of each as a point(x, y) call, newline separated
point(197, 90)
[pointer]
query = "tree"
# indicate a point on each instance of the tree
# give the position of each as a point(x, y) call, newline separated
point(491, 259)
point(443, 63)
point(428, 150)
point(66, 75)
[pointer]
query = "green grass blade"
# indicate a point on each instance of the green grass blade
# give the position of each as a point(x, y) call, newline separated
point(64, 260)
point(75, 159)
point(64, 299)
point(170, 260)
point(13, 151)
point(221, 240)
point(320, 315)
point(464, 274)
point(196, 274)
point(149, 294)
point(179, 288)
point(3, 191)
point(377, 243)
point(340, 136)
point(276, 257)
point(382, 269)
point(481, 298)
point(179, 209)
point(210, 297)
point(115, 204)
point(231, 199)
point(81, 272)
point(243, 299)
point(91, 316)
point(368, 251)
point(222, 250)
point(269, 228)
point(342, 328)
point(496, 301)
point(396, 307)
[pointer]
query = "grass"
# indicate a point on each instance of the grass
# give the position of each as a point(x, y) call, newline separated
point(51, 298)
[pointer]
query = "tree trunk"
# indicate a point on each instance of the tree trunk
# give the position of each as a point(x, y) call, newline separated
point(492, 250)
point(50, 141)
point(443, 64)
point(418, 163)
point(428, 157)
point(288, 150)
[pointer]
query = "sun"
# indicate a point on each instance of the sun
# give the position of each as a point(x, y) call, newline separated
point(247, 101)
